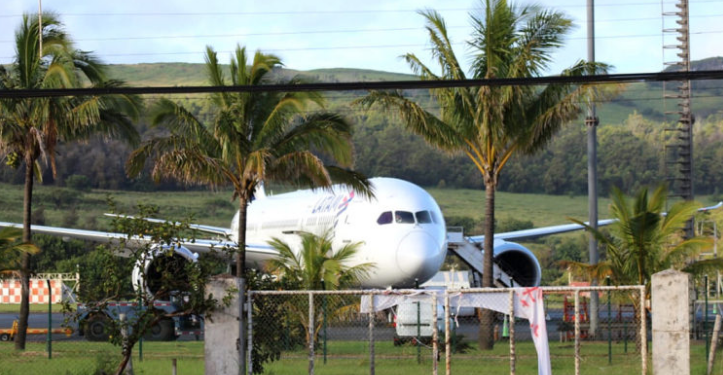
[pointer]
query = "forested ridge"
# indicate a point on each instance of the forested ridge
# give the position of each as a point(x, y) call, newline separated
point(631, 140)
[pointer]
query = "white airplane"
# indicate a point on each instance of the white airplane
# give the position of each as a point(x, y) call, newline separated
point(401, 230)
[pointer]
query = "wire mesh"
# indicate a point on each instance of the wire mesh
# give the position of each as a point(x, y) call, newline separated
point(333, 333)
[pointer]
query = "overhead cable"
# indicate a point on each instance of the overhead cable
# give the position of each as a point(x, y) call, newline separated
point(380, 85)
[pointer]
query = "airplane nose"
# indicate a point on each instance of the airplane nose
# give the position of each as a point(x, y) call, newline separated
point(417, 254)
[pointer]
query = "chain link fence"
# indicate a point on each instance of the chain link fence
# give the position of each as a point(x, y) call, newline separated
point(368, 332)
point(378, 332)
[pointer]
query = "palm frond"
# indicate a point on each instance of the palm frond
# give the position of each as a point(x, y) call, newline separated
point(438, 133)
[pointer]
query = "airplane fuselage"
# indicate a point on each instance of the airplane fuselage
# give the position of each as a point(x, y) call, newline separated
point(401, 230)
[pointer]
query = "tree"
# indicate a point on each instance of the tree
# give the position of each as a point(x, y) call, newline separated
point(250, 138)
point(644, 240)
point(31, 128)
point(166, 278)
point(491, 123)
point(318, 266)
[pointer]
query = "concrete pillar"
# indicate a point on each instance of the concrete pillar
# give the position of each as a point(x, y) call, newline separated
point(670, 295)
point(222, 343)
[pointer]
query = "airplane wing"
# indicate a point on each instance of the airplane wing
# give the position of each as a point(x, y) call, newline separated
point(201, 228)
point(533, 233)
point(254, 251)
point(529, 234)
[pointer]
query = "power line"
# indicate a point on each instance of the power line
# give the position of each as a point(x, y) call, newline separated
point(340, 11)
point(342, 31)
point(382, 85)
point(348, 47)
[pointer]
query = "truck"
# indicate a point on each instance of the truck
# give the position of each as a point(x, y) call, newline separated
point(409, 315)
point(414, 321)
point(94, 324)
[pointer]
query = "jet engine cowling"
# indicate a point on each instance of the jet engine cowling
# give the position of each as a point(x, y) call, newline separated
point(518, 262)
point(163, 259)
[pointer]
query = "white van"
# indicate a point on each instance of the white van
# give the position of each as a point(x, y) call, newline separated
point(414, 320)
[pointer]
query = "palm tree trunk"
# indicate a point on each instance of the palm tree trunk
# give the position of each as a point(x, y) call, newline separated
point(486, 329)
point(241, 274)
point(25, 264)
point(241, 254)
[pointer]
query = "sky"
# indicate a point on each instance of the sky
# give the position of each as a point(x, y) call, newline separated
point(315, 34)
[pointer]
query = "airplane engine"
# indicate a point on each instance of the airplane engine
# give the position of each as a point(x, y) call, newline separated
point(518, 262)
point(163, 259)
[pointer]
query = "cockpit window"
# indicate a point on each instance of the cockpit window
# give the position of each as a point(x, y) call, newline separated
point(385, 218)
point(423, 217)
point(403, 217)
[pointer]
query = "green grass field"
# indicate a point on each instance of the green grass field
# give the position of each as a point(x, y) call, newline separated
point(216, 208)
point(343, 358)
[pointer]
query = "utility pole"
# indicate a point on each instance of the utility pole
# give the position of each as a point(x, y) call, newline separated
point(591, 122)
point(679, 146)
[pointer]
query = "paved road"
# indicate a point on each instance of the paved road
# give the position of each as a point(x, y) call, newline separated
point(41, 321)
point(468, 327)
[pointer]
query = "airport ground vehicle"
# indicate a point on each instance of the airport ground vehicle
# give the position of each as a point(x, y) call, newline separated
point(8, 334)
point(415, 321)
point(94, 324)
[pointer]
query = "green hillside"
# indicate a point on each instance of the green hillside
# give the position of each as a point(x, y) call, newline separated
point(631, 140)
point(184, 74)
point(643, 98)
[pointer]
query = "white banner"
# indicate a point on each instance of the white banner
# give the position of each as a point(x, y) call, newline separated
point(528, 304)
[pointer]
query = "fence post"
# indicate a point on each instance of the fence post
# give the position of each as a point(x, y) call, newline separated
point(576, 319)
point(513, 355)
point(644, 331)
point(419, 327)
point(610, 331)
point(435, 349)
point(671, 322)
point(140, 340)
point(323, 310)
point(447, 336)
point(705, 319)
point(250, 330)
point(50, 320)
point(224, 338)
point(311, 333)
point(371, 334)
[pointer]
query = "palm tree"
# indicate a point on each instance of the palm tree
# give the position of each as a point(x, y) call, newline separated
point(489, 124)
point(251, 138)
point(318, 266)
point(644, 240)
point(31, 128)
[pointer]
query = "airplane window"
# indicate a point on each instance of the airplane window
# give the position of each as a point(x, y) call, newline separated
point(423, 217)
point(404, 217)
point(435, 219)
point(385, 218)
